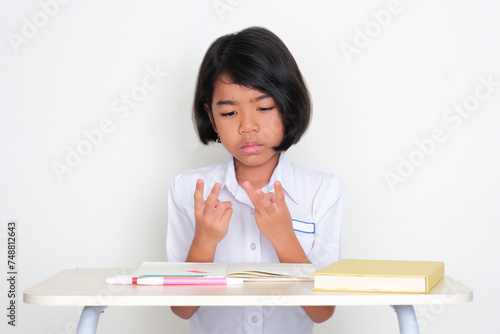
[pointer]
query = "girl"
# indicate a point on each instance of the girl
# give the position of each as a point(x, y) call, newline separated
point(257, 206)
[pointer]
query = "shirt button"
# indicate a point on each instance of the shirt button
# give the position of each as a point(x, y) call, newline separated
point(254, 319)
point(252, 211)
point(253, 246)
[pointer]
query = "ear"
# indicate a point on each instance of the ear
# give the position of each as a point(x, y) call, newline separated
point(209, 113)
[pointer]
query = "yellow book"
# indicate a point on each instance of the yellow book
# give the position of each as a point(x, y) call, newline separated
point(379, 276)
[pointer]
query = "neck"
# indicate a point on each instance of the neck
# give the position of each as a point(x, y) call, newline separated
point(258, 176)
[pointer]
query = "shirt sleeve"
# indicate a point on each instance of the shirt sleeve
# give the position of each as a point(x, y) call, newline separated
point(181, 222)
point(327, 208)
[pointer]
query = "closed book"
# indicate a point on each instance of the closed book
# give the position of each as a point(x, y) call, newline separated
point(379, 276)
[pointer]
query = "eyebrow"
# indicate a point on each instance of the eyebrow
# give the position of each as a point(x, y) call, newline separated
point(232, 103)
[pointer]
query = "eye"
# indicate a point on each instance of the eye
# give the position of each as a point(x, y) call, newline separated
point(266, 109)
point(228, 114)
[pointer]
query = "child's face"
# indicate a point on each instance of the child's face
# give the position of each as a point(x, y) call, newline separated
point(248, 122)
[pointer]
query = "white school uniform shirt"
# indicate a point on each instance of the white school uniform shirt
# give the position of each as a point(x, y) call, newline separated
point(314, 200)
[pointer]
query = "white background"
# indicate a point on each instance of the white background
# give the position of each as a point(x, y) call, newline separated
point(64, 74)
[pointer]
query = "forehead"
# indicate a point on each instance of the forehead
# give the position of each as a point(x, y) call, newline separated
point(225, 89)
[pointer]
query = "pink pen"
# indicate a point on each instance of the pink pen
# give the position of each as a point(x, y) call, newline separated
point(188, 281)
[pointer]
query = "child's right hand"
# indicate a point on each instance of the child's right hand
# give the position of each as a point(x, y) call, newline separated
point(212, 216)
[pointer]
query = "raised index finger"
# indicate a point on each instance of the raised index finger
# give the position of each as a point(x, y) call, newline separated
point(280, 194)
point(250, 192)
point(198, 195)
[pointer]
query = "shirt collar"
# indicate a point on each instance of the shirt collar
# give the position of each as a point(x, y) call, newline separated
point(283, 173)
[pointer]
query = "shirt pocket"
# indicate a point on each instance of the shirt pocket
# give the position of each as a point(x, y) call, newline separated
point(305, 232)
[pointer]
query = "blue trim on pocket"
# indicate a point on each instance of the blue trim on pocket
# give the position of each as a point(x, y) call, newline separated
point(310, 229)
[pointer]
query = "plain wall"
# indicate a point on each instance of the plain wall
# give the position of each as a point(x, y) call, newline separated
point(406, 99)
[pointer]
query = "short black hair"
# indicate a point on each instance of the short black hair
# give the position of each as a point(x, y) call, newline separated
point(256, 58)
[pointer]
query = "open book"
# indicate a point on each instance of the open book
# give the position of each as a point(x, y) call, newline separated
point(248, 271)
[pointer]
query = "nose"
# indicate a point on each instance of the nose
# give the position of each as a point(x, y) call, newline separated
point(248, 123)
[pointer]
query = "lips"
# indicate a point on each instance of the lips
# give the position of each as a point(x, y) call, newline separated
point(251, 147)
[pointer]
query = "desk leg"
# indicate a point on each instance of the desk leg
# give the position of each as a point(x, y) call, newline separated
point(407, 319)
point(89, 319)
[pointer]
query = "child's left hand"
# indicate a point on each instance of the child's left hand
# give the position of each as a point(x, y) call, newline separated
point(271, 213)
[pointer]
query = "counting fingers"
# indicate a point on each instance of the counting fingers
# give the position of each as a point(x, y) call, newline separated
point(258, 197)
point(221, 210)
point(212, 216)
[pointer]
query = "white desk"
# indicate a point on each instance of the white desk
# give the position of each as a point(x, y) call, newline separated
point(87, 287)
